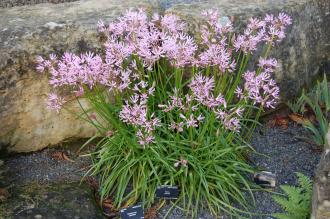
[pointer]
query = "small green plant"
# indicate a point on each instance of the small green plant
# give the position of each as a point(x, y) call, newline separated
point(297, 203)
point(298, 105)
point(318, 100)
point(320, 129)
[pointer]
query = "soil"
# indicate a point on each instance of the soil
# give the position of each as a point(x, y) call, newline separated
point(286, 153)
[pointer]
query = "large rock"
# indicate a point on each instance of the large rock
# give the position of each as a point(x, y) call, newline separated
point(26, 124)
point(321, 189)
point(302, 54)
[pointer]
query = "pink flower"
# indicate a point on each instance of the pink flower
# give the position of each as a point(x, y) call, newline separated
point(144, 138)
point(179, 49)
point(136, 44)
point(109, 133)
point(175, 102)
point(92, 116)
point(181, 162)
point(261, 89)
point(212, 16)
point(191, 121)
point(232, 124)
point(176, 126)
point(101, 26)
point(80, 92)
point(239, 92)
point(275, 27)
point(202, 90)
point(55, 102)
point(172, 23)
point(284, 19)
point(219, 56)
point(255, 24)
point(269, 18)
point(268, 65)
point(229, 120)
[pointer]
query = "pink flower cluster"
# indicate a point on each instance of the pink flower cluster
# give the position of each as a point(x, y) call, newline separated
point(214, 37)
point(163, 36)
point(183, 105)
point(202, 90)
point(261, 88)
point(271, 29)
point(55, 102)
point(135, 44)
point(202, 93)
point(230, 119)
point(135, 113)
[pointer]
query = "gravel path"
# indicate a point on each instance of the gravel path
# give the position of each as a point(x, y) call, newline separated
point(286, 153)
point(45, 166)
point(14, 3)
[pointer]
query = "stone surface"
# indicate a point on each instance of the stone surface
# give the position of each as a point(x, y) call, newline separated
point(302, 54)
point(27, 31)
point(14, 3)
point(51, 201)
point(321, 189)
point(44, 185)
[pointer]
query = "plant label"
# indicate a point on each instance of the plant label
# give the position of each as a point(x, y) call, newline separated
point(134, 212)
point(167, 192)
point(265, 179)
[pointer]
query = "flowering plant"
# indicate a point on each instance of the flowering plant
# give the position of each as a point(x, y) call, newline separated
point(172, 109)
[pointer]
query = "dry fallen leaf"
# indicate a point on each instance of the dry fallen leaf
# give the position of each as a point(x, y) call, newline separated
point(107, 203)
point(281, 121)
point(109, 208)
point(151, 213)
point(298, 119)
point(60, 155)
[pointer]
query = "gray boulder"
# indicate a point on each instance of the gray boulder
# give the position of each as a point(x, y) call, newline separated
point(27, 31)
point(321, 189)
point(303, 53)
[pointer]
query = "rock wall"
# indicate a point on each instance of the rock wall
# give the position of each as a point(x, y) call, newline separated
point(321, 189)
point(27, 31)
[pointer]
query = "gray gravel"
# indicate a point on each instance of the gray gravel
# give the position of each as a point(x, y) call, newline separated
point(14, 3)
point(41, 167)
point(287, 154)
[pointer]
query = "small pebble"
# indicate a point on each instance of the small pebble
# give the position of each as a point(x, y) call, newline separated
point(38, 216)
